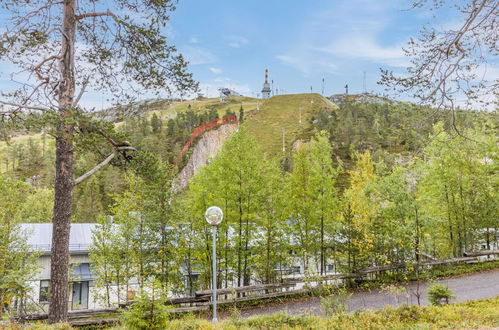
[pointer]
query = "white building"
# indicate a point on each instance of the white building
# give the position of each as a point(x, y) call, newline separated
point(81, 279)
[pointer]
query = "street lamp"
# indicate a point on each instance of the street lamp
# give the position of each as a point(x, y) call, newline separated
point(214, 216)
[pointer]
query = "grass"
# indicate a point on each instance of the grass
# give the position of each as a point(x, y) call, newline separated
point(474, 314)
point(266, 124)
point(18, 141)
point(283, 112)
point(265, 119)
point(233, 104)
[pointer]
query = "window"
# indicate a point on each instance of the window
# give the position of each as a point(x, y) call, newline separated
point(44, 290)
point(295, 269)
point(81, 272)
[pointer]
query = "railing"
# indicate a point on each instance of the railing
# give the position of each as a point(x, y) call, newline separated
point(201, 129)
point(201, 301)
point(72, 247)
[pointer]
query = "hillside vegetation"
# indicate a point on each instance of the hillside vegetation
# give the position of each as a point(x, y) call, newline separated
point(480, 314)
point(393, 131)
point(371, 184)
point(290, 115)
point(476, 314)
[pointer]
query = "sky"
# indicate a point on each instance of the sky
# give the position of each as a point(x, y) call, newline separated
point(229, 43)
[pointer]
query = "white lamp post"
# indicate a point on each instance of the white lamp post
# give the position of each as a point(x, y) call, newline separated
point(214, 216)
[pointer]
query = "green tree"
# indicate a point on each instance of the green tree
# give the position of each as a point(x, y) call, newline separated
point(324, 195)
point(458, 186)
point(37, 207)
point(156, 123)
point(233, 181)
point(17, 260)
point(40, 38)
point(300, 208)
point(359, 213)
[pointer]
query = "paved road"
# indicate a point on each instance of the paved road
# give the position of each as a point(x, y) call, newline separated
point(466, 287)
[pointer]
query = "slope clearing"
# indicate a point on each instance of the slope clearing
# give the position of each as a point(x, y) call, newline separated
point(287, 116)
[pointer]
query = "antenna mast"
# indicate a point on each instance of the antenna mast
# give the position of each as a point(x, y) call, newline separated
point(364, 85)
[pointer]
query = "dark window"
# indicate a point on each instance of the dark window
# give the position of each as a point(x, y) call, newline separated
point(44, 290)
point(82, 272)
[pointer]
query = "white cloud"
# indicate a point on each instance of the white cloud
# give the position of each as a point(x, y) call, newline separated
point(210, 89)
point(237, 41)
point(488, 72)
point(197, 55)
point(348, 31)
point(298, 63)
point(306, 64)
point(216, 70)
point(365, 47)
point(194, 40)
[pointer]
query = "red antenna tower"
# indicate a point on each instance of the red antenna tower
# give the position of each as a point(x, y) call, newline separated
point(266, 76)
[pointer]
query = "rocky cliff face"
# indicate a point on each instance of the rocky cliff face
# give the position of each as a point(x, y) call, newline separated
point(208, 146)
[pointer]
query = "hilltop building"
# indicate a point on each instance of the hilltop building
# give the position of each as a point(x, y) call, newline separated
point(266, 86)
point(226, 93)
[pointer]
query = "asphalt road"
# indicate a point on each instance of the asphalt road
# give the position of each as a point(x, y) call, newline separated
point(466, 287)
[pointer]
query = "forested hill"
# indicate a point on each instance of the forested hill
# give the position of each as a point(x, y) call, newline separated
point(395, 133)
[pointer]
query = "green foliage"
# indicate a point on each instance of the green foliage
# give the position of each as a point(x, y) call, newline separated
point(335, 302)
point(313, 202)
point(282, 113)
point(439, 294)
point(143, 241)
point(146, 313)
point(475, 314)
point(246, 186)
point(17, 261)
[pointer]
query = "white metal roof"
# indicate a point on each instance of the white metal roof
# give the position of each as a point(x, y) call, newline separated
point(40, 236)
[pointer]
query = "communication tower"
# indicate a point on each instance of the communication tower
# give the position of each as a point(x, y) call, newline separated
point(266, 86)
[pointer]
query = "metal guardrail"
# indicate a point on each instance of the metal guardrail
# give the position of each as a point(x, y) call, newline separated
point(72, 247)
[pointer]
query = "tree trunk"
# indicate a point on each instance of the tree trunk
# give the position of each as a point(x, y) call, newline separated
point(63, 188)
point(322, 244)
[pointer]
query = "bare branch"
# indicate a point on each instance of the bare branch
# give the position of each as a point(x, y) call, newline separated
point(51, 58)
point(101, 164)
point(87, 15)
point(23, 106)
point(83, 87)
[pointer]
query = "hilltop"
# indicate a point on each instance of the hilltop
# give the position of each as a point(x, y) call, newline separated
point(395, 133)
point(286, 116)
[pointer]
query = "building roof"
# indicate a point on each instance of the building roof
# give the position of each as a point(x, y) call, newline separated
point(40, 236)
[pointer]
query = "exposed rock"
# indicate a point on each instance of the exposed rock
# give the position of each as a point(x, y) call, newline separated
point(298, 144)
point(208, 147)
point(360, 98)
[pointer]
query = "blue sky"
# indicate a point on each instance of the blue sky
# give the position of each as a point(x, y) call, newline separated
point(229, 43)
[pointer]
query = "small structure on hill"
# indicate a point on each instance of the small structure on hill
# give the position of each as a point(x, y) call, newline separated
point(226, 93)
point(266, 86)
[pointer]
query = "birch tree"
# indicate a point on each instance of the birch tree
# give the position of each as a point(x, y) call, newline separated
point(452, 64)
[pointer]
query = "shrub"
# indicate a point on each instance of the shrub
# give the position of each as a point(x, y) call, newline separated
point(336, 302)
point(439, 294)
point(275, 321)
point(146, 313)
